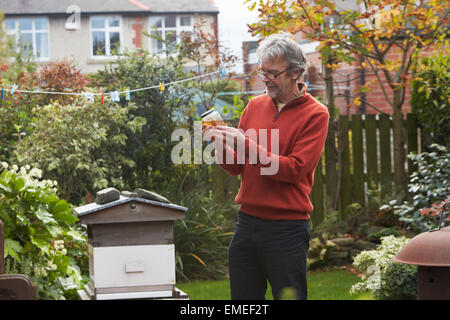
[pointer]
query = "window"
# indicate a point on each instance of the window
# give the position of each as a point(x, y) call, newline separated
point(106, 36)
point(31, 35)
point(167, 28)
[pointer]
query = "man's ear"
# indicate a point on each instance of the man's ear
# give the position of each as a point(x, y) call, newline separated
point(297, 74)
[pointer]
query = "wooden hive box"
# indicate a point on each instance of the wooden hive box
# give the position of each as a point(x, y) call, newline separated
point(131, 250)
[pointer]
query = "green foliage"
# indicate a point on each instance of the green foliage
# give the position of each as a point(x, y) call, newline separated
point(202, 238)
point(430, 93)
point(17, 113)
point(382, 277)
point(82, 146)
point(428, 185)
point(42, 239)
point(163, 111)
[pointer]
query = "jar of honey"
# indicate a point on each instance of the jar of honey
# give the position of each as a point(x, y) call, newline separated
point(212, 118)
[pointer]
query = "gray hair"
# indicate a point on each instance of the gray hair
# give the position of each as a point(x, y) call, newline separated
point(282, 46)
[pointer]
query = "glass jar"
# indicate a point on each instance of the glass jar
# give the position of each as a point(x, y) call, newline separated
point(212, 118)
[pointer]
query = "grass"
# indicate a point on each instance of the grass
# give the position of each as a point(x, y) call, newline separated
point(330, 285)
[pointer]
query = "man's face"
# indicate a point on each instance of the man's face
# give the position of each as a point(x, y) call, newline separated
point(283, 83)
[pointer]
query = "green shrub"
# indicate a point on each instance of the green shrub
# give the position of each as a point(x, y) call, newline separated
point(202, 238)
point(42, 239)
point(382, 277)
point(164, 111)
point(82, 146)
point(430, 98)
point(428, 185)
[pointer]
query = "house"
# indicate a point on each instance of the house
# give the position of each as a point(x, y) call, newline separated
point(92, 32)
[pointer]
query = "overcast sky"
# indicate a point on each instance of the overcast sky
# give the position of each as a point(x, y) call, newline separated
point(233, 19)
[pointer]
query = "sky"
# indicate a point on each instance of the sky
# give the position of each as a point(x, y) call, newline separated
point(233, 19)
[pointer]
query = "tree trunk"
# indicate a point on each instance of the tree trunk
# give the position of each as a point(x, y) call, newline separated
point(399, 145)
point(331, 158)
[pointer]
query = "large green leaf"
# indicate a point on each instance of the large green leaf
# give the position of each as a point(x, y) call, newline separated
point(60, 207)
point(43, 215)
point(13, 248)
point(65, 217)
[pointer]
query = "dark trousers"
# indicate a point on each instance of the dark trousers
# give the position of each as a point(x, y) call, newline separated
point(268, 250)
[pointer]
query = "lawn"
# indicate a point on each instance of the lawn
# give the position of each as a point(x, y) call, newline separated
point(330, 285)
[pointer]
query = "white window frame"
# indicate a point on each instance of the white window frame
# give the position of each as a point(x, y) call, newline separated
point(16, 33)
point(163, 29)
point(107, 29)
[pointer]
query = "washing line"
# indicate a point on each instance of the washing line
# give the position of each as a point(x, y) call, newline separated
point(161, 86)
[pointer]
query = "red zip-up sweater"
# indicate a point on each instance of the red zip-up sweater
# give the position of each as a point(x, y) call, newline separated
point(303, 126)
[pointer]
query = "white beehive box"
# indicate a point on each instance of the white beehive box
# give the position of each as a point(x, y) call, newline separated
point(131, 250)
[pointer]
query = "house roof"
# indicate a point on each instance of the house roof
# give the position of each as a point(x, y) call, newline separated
point(58, 7)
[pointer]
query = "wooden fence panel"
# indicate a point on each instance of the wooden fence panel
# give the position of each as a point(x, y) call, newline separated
point(411, 131)
point(385, 155)
point(371, 148)
point(358, 159)
point(345, 189)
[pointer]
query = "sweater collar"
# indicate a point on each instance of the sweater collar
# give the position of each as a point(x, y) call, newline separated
point(302, 87)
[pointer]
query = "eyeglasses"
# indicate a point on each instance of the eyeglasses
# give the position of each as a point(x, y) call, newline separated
point(270, 74)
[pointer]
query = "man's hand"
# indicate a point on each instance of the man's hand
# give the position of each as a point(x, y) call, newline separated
point(232, 137)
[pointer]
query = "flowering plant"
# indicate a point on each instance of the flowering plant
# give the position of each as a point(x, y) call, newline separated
point(42, 240)
point(429, 190)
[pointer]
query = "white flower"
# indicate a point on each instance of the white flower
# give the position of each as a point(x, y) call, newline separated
point(27, 167)
point(15, 168)
point(36, 173)
point(4, 165)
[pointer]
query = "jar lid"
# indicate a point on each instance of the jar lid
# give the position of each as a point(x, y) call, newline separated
point(208, 112)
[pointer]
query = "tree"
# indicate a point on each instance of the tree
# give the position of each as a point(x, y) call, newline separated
point(205, 51)
point(372, 29)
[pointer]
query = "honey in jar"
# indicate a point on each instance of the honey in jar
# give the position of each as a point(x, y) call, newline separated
point(212, 118)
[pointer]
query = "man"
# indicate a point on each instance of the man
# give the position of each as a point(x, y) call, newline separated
point(271, 238)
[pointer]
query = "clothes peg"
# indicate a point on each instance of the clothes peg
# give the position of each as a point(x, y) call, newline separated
point(222, 71)
point(114, 96)
point(14, 88)
point(89, 96)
